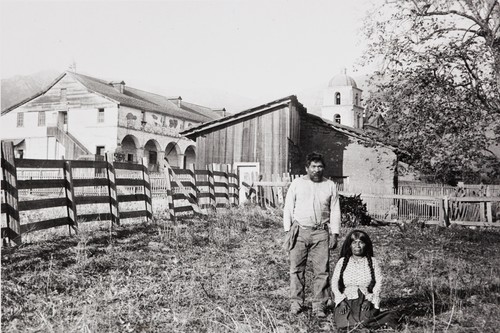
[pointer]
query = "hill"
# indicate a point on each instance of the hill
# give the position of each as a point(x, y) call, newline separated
point(19, 87)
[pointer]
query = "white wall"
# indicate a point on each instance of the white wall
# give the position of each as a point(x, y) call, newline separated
point(30, 128)
point(83, 125)
point(35, 143)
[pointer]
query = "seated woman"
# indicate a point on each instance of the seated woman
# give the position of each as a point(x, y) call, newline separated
point(356, 285)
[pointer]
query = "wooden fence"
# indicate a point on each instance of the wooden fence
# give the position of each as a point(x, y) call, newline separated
point(196, 191)
point(72, 194)
point(440, 190)
point(465, 207)
point(124, 189)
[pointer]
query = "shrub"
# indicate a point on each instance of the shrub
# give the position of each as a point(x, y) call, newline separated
point(354, 211)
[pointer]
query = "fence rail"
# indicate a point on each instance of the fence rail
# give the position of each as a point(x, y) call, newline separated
point(29, 185)
point(68, 185)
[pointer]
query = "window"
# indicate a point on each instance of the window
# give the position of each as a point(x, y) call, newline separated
point(20, 153)
point(63, 95)
point(20, 119)
point(100, 116)
point(356, 99)
point(99, 150)
point(41, 118)
point(130, 157)
point(337, 98)
point(65, 118)
point(336, 118)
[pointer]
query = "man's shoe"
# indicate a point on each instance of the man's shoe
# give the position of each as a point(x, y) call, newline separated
point(295, 308)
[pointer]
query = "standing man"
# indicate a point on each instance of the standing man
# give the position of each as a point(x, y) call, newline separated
point(311, 218)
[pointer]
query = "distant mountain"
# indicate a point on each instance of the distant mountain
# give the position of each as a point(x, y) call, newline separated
point(17, 88)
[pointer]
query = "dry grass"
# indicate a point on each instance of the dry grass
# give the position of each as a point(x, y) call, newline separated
point(228, 273)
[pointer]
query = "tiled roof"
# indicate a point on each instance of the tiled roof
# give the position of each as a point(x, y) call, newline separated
point(137, 98)
point(202, 110)
point(131, 97)
point(354, 132)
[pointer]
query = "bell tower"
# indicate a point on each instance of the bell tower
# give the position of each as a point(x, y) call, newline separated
point(342, 101)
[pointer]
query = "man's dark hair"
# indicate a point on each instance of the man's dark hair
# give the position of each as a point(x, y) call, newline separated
point(314, 157)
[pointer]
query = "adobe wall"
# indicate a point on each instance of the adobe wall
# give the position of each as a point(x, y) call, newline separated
point(365, 169)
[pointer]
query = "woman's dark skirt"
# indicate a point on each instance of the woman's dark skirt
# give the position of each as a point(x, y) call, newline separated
point(356, 317)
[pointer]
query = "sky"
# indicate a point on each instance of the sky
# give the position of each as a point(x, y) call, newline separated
point(248, 51)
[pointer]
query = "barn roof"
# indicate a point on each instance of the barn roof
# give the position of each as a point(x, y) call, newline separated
point(193, 132)
point(196, 131)
point(131, 97)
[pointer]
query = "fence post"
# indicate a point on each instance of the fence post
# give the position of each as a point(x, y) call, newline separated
point(212, 199)
point(9, 186)
point(231, 184)
point(70, 197)
point(165, 171)
point(113, 197)
point(147, 190)
point(489, 211)
point(236, 180)
point(193, 181)
point(225, 180)
point(279, 191)
point(482, 215)
point(445, 211)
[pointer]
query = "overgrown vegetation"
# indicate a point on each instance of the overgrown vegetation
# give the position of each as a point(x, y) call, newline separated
point(228, 273)
point(354, 211)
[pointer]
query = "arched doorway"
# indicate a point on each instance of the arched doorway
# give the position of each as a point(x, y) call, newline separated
point(172, 153)
point(189, 156)
point(151, 149)
point(129, 148)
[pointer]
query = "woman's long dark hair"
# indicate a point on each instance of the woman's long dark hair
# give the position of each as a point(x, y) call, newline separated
point(346, 253)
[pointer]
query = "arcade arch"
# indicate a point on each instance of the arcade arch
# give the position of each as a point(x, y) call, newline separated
point(129, 147)
point(189, 156)
point(172, 154)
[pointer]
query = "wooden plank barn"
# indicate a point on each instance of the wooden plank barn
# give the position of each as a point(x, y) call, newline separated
point(274, 138)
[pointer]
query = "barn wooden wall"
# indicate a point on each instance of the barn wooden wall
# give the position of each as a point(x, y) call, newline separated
point(263, 138)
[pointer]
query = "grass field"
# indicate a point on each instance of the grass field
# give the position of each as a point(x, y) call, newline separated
point(228, 273)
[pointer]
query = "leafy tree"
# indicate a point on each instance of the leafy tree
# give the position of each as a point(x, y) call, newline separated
point(438, 84)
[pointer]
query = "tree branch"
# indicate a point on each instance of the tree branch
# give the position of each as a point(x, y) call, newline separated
point(487, 18)
point(451, 12)
point(475, 32)
point(477, 87)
